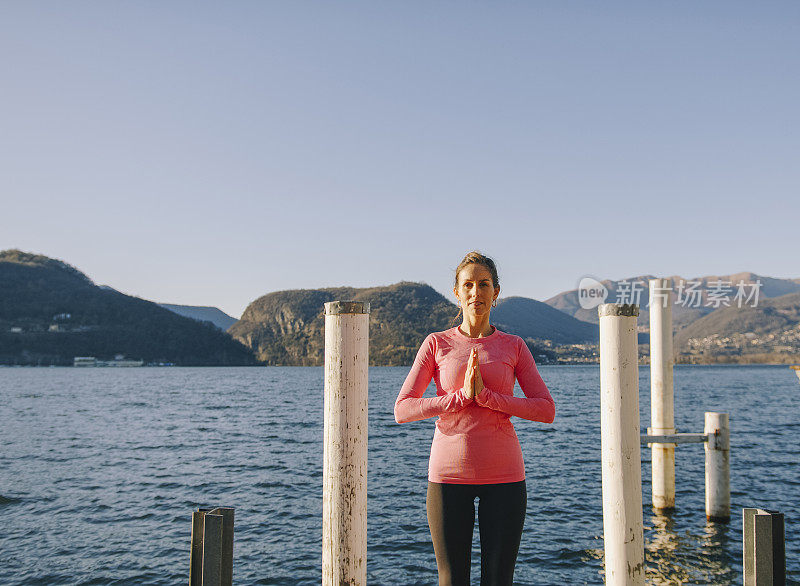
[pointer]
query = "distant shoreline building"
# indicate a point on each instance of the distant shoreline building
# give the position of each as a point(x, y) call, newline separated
point(119, 361)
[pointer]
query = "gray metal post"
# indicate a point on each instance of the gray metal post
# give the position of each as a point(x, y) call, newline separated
point(226, 564)
point(196, 549)
point(212, 550)
point(764, 548)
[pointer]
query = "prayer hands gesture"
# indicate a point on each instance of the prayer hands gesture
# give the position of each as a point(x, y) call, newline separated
point(473, 383)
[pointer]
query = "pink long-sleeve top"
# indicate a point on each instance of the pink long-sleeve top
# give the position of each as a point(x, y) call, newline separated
point(474, 441)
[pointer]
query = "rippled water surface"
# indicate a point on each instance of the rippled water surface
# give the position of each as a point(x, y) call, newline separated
point(100, 470)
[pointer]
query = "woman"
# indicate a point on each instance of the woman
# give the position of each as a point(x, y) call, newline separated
point(475, 450)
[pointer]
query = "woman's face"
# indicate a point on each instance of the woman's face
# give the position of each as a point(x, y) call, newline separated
point(475, 290)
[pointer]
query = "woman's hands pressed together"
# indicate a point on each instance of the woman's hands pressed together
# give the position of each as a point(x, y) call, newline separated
point(473, 383)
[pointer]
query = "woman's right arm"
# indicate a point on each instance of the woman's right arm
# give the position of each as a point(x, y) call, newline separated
point(410, 406)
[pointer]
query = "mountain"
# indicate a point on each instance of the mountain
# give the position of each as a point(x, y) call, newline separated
point(203, 313)
point(287, 327)
point(529, 318)
point(567, 302)
point(51, 312)
point(770, 331)
point(691, 308)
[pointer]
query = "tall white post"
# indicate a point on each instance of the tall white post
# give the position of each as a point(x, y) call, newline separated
point(623, 531)
point(718, 467)
point(662, 407)
point(344, 476)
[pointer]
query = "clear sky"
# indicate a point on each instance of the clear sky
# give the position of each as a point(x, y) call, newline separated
point(208, 153)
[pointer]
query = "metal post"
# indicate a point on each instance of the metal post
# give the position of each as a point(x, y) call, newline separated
point(662, 410)
point(226, 567)
point(211, 551)
point(718, 467)
point(620, 446)
point(764, 548)
point(344, 496)
point(196, 549)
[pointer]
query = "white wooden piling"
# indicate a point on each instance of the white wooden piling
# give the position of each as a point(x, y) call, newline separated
point(718, 467)
point(662, 410)
point(623, 532)
point(344, 497)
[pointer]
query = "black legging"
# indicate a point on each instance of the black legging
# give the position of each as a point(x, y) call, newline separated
point(451, 517)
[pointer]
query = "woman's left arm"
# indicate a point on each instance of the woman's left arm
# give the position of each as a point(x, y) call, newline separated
point(537, 405)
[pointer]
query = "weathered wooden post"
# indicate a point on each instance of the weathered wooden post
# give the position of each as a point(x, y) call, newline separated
point(211, 550)
point(718, 467)
point(662, 409)
point(344, 479)
point(620, 445)
point(764, 548)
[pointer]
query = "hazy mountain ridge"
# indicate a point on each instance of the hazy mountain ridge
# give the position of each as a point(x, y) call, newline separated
point(682, 315)
point(529, 318)
point(766, 332)
point(201, 313)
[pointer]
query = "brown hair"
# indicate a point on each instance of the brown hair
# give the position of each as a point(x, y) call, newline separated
point(477, 258)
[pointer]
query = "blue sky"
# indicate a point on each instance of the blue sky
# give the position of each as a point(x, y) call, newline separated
point(208, 153)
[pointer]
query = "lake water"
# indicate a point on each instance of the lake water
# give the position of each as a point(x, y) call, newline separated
point(100, 470)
